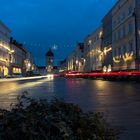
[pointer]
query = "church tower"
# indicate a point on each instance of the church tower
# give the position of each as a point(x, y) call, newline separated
point(49, 60)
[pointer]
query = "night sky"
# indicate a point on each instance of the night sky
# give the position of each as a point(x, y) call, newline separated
point(41, 24)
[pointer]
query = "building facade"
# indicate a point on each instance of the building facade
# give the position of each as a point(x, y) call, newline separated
point(137, 32)
point(92, 52)
point(63, 66)
point(29, 63)
point(87, 49)
point(76, 60)
point(71, 62)
point(107, 61)
point(124, 45)
point(17, 58)
point(4, 50)
point(115, 45)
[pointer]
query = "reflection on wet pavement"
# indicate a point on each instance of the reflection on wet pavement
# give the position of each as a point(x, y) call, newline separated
point(119, 101)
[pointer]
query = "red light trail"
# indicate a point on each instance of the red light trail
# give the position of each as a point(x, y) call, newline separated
point(136, 73)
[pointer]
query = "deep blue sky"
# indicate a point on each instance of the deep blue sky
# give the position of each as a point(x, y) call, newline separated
point(42, 23)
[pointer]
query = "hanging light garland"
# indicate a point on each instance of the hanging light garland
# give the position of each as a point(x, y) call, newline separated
point(5, 46)
point(3, 60)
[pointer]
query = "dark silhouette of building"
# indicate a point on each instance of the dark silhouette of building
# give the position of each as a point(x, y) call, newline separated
point(49, 60)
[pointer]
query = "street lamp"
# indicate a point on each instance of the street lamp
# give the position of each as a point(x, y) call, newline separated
point(29, 65)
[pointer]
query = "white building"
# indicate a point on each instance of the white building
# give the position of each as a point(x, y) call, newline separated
point(93, 51)
point(124, 35)
point(76, 60)
point(4, 50)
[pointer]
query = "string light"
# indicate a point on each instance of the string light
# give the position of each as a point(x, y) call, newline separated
point(3, 60)
point(4, 46)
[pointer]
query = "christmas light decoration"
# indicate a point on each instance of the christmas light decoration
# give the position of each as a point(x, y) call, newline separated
point(109, 68)
point(104, 69)
point(101, 56)
point(5, 46)
point(128, 56)
point(3, 60)
point(117, 59)
point(106, 50)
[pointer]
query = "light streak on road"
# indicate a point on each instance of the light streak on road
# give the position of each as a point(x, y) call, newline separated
point(25, 78)
point(16, 87)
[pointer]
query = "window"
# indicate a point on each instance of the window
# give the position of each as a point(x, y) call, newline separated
point(119, 51)
point(124, 49)
point(119, 34)
point(118, 20)
point(114, 37)
point(130, 28)
point(114, 52)
point(129, 10)
point(114, 23)
point(124, 31)
point(130, 46)
point(123, 15)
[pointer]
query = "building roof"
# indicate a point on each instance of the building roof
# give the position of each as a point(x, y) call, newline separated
point(18, 45)
point(49, 53)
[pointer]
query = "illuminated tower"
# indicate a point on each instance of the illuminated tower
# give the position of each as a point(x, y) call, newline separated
point(49, 60)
